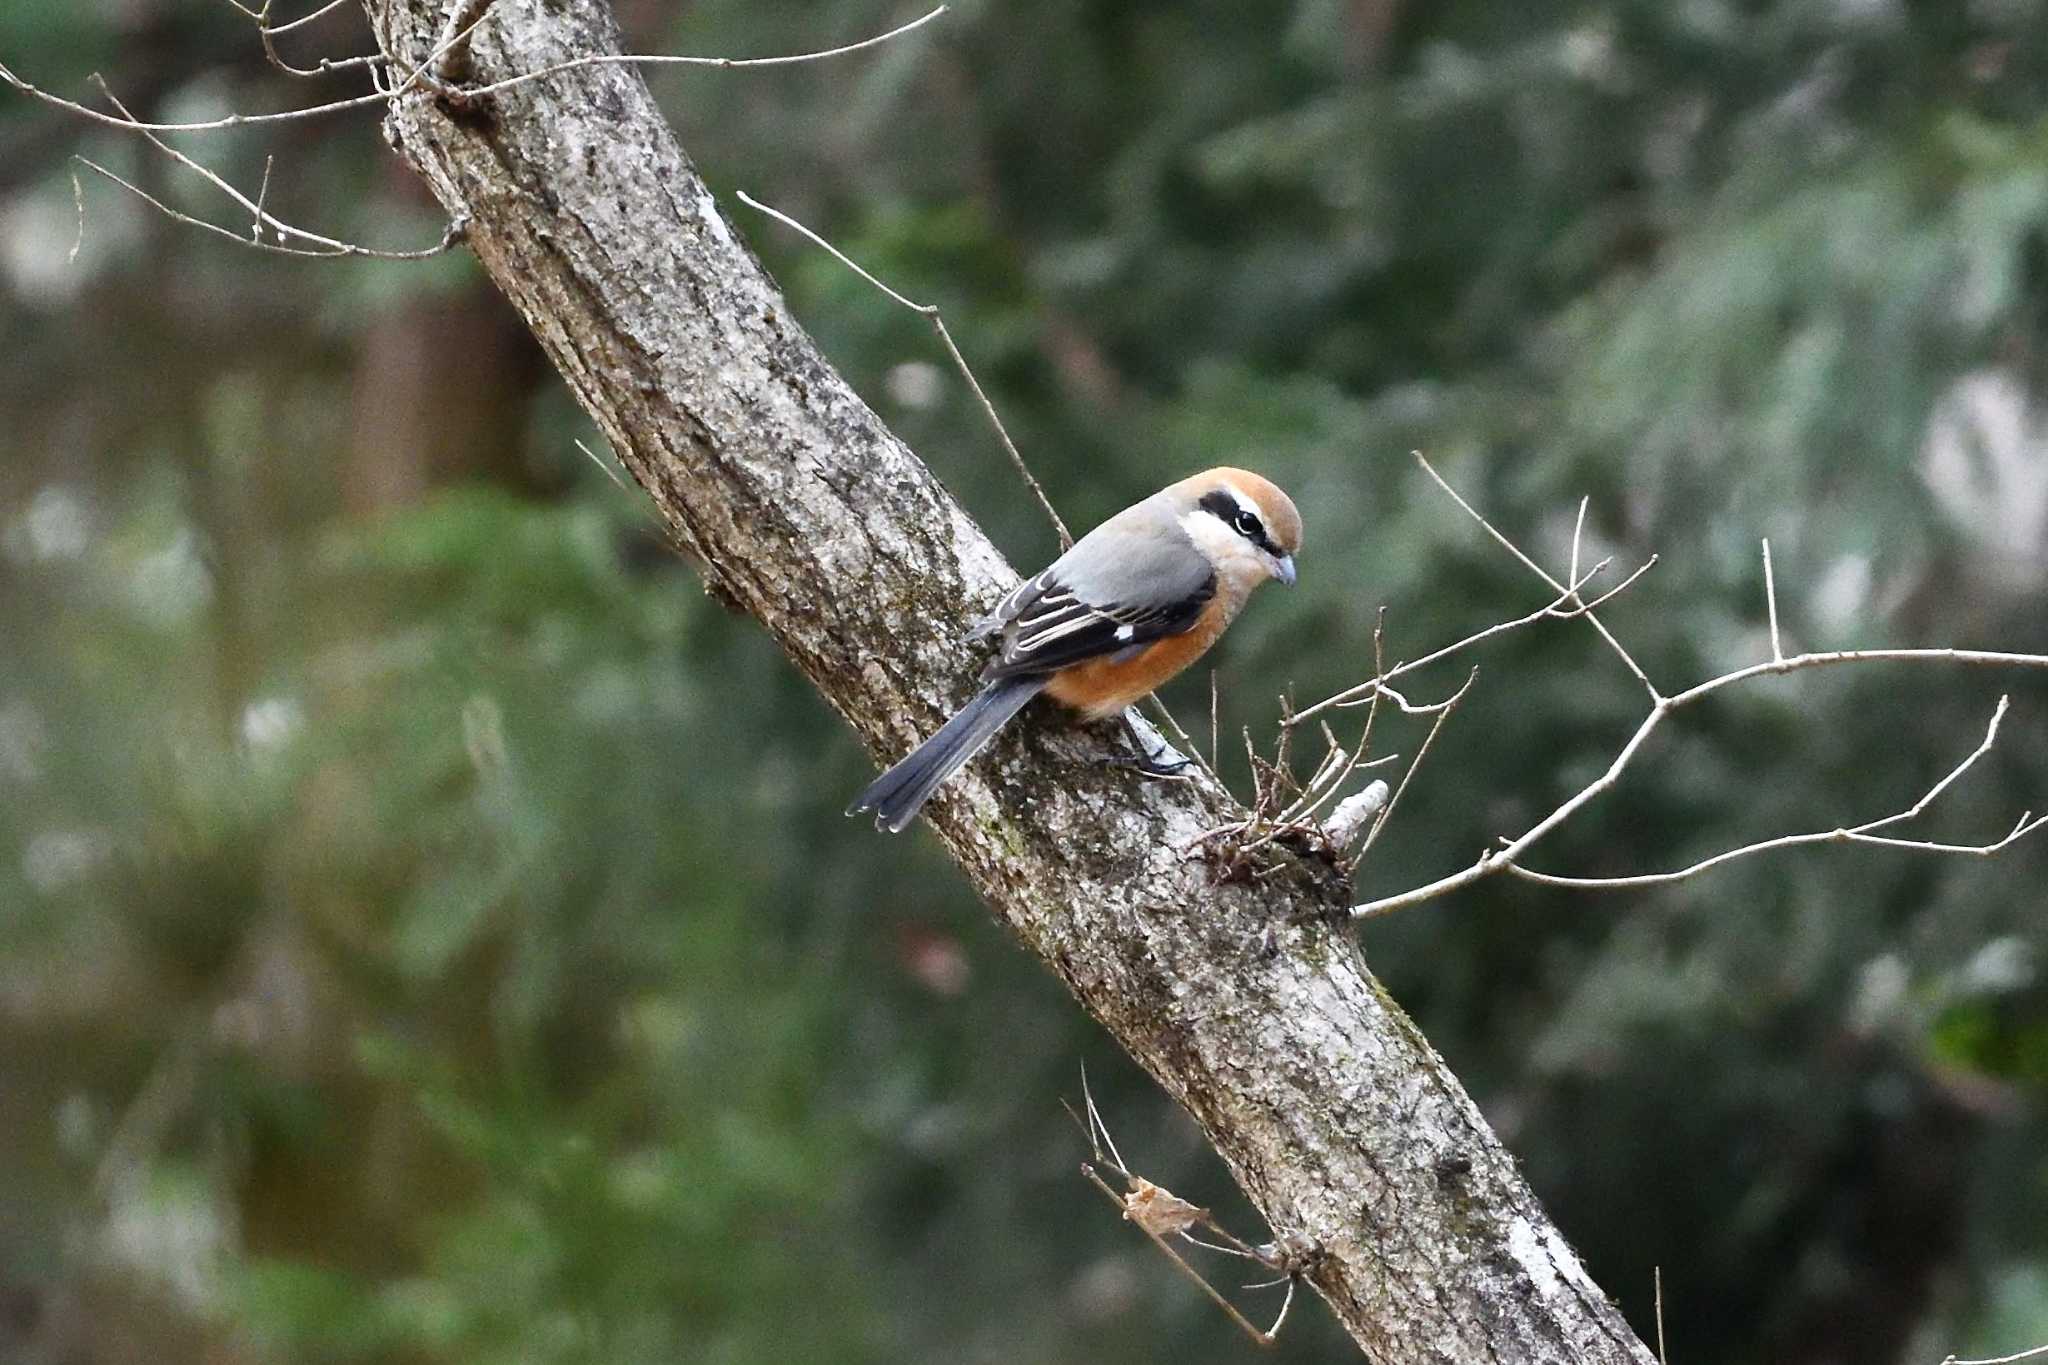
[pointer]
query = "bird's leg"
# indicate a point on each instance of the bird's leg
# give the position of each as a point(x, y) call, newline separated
point(1155, 757)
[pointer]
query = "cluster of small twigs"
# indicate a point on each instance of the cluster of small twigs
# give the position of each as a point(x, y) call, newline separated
point(1507, 854)
point(1283, 810)
point(443, 75)
point(1160, 1214)
point(1289, 811)
point(1286, 811)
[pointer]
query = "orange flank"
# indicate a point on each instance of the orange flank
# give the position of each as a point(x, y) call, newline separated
point(1104, 687)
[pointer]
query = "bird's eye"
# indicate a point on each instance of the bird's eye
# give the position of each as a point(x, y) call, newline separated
point(1247, 525)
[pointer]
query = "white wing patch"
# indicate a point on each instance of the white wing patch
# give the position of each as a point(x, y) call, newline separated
point(1045, 623)
point(1032, 637)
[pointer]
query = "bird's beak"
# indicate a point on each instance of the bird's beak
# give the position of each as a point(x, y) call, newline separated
point(1283, 569)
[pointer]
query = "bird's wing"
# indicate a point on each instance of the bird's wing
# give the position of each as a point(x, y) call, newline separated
point(1089, 605)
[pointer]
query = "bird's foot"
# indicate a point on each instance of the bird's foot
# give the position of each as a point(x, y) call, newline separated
point(1147, 766)
point(1155, 757)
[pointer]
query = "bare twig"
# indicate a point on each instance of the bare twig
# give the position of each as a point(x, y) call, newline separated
point(1976, 658)
point(1443, 715)
point(262, 193)
point(7, 76)
point(326, 66)
point(1158, 1213)
point(930, 313)
point(259, 219)
point(1215, 744)
point(134, 125)
point(78, 201)
point(300, 22)
point(1864, 833)
point(422, 75)
point(329, 246)
point(1657, 1273)
point(1511, 851)
point(722, 63)
point(1559, 608)
point(1506, 857)
point(618, 480)
point(1299, 823)
point(445, 63)
point(1533, 567)
point(2000, 1360)
point(1490, 863)
point(1578, 530)
point(1604, 598)
point(1354, 811)
point(1771, 600)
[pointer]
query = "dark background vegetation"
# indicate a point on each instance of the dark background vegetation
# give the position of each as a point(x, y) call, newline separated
point(427, 929)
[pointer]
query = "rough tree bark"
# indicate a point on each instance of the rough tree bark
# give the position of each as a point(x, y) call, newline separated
point(1333, 1112)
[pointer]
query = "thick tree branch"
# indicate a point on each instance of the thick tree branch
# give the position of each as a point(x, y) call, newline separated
point(1331, 1109)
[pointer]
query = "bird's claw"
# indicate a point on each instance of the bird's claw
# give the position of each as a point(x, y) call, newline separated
point(1155, 757)
point(1148, 766)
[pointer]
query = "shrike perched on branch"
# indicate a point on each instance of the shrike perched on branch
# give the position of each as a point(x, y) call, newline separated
point(1134, 602)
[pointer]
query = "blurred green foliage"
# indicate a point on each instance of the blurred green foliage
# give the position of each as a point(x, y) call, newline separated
point(427, 932)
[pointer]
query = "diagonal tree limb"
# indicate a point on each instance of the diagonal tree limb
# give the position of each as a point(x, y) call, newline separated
point(1333, 1112)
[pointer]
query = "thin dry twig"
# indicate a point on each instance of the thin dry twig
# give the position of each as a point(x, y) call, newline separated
point(267, 35)
point(1352, 813)
point(1771, 600)
point(1657, 1272)
point(78, 202)
point(423, 75)
point(134, 125)
point(1159, 1213)
point(1559, 608)
point(2000, 1360)
point(1215, 744)
point(1443, 715)
point(262, 194)
point(1533, 567)
point(1864, 833)
point(659, 525)
point(722, 63)
point(299, 22)
point(329, 248)
point(1578, 530)
point(930, 313)
point(618, 480)
point(1299, 822)
point(1507, 856)
point(259, 219)
point(446, 62)
point(1512, 850)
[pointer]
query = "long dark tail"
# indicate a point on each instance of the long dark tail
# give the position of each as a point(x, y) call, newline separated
point(897, 795)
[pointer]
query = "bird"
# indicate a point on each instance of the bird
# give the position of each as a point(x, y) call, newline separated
point(1131, 604)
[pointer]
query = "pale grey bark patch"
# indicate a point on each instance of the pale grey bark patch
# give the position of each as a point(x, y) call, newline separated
point(803, 510)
